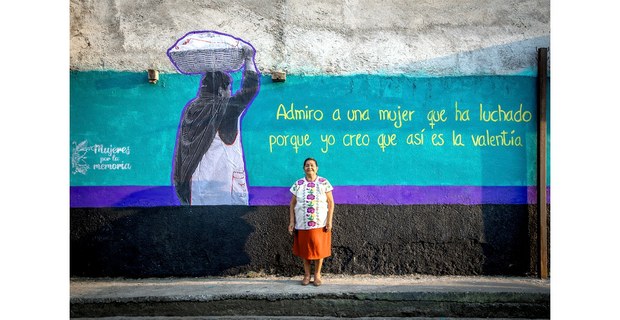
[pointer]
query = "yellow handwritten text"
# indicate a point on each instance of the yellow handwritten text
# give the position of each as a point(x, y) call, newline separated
point(501, 115)
point(298, 114)
point(416, 139)
point(358, 140)
point(386, 140)
point(358, 115)
point(460, 115)
point(504, 139)
point(397, 116)
point(329, 140)
point(293, 140)
point(435, 116)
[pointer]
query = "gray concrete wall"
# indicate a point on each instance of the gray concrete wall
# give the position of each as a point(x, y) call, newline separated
point(419, 38)
point(320, 37)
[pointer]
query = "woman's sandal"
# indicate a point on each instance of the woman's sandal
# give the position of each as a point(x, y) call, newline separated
point(317, 282)
point(305, 281)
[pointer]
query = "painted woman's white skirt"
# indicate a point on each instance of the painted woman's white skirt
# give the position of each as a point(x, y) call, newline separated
point(219, 179)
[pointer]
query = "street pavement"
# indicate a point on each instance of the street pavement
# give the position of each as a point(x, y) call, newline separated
point(271, 297)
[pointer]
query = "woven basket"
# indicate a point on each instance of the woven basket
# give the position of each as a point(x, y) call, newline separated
point(206, 52)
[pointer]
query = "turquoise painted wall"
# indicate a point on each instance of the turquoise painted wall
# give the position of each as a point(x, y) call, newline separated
point(128, 127)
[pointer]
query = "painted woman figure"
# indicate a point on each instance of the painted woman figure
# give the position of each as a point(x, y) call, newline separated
point(208, 166)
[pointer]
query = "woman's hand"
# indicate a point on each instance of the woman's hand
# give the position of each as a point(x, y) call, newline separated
point(247, 50)
point(291, 214)
point(248, 54)
point(330, 211)
point(291, 227)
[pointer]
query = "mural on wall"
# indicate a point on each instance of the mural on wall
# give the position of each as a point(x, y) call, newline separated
point(208, 166)
point(382, 139)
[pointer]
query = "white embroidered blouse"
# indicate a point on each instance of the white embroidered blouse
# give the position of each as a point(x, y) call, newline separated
point(311, 207)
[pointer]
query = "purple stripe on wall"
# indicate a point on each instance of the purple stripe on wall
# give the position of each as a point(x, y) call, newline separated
point(123, 196)
point(136, 196)
point(402, 195)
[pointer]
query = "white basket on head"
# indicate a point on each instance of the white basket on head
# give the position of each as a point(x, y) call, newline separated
point(206, 52)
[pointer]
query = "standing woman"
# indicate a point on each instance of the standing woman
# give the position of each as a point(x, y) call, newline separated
point(311, 212)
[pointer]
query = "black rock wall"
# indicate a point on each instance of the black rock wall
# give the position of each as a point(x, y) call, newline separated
point(367, 239)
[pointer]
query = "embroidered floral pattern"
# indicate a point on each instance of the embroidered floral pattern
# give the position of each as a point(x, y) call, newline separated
point(311, 207)
point(311, 203)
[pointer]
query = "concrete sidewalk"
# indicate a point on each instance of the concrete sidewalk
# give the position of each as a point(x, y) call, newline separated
point(339, 296)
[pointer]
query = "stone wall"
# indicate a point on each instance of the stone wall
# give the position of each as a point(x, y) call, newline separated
point(482, 226)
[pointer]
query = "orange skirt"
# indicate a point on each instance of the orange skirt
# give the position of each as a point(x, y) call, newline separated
point(312, 244)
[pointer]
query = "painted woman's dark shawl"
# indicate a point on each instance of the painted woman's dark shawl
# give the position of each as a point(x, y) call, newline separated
point(203, 117)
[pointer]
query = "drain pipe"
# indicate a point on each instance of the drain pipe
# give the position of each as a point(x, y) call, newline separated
point(542, 164)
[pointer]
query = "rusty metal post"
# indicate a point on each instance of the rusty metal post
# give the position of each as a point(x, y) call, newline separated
point(542, 164)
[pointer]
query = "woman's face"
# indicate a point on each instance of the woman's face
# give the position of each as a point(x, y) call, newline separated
point(310, 167)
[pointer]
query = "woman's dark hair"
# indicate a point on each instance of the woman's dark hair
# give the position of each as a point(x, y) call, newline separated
point(213, 81)
point(308, 159)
